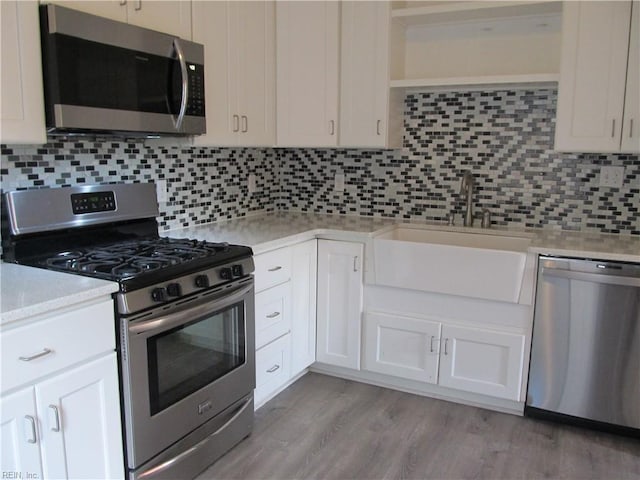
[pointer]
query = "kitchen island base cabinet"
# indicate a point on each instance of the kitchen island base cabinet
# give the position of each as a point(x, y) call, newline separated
point(67, 426)
point(340, 303)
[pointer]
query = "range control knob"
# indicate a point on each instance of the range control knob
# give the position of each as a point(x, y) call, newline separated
point(159, 294)
point(202, 281)
point(237, 270)
point(174, 290)
point(226, 274)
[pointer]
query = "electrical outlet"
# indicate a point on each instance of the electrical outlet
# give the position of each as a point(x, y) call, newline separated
point(252, 183)
point(161, 191)
point(611, 176)
point(339, 182)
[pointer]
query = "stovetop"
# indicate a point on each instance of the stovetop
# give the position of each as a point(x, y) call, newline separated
point(128, 259)
point(140, 262)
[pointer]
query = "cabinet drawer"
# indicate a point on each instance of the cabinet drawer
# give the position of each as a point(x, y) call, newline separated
point(272, 268)
point(43, 347)
point(273, 317)
point(273, 367)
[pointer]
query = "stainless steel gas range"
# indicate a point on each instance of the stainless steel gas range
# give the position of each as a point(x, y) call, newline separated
point(184, 317)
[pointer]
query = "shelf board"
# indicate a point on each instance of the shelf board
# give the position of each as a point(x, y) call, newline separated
point(460, 12)
point(533, 79)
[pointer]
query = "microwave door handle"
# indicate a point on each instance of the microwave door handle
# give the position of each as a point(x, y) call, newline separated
point(185, 83)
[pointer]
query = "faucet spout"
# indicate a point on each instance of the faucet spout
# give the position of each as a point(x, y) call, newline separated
point(466, 188)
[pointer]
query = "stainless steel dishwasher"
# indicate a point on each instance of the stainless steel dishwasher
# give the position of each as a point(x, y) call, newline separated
point(585, 355)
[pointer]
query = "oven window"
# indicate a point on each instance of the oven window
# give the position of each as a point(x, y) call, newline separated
point(191, 356)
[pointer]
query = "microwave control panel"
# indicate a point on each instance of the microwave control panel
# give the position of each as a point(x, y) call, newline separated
point(195, 105)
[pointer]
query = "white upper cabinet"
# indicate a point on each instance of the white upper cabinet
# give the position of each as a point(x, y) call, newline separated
point(173, 17)
point(239, 40)
point(631, 127)
point(591, 114)
point(307, 45)
point(368, 116)
point(21, 95)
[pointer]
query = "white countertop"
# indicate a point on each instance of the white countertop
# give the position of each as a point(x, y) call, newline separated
point(29, 291)
point(267, 231)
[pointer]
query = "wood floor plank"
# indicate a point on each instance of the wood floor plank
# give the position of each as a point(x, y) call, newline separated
point(327, 428)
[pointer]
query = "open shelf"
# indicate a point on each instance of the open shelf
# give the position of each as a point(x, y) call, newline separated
point(438, 44)
point(457, 12)
point(533, 79)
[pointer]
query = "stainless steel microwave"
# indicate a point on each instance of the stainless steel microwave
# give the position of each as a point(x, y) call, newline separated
point(108, 77)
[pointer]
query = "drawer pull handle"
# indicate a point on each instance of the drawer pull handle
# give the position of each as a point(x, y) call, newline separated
point(56, 417)
point(274, 368)
point(446, 342)
point(431, 343)
point(44, 352)
point(275, 269)
point(273, 315)
point(32, 422)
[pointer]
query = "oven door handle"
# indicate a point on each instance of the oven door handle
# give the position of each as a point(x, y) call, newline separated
point(224, 299)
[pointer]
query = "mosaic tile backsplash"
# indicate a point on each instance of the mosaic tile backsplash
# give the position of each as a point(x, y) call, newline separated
point(204, 184)
point(504, 137)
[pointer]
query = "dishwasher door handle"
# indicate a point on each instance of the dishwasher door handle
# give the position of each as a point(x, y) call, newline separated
point(591, 277)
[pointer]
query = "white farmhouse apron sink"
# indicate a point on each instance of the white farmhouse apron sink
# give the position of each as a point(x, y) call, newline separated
point(472, 263)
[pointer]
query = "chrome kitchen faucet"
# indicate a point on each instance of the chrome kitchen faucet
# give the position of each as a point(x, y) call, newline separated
point(466, 188)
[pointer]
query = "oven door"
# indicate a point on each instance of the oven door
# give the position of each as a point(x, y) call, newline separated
point(185, 363)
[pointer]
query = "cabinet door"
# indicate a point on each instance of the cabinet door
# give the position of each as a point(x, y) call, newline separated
point(22, 114)
point(214, 27)
point(307, 73)
point(172, 17)
point(631, 128)
point(364, 75)
point(256, 60)
point(304, 283)
point(402, 346)
point(20, 453)
point(80, 418)
point(595, 40)
point(481, 361)
point(340, 295)
point(113, 9)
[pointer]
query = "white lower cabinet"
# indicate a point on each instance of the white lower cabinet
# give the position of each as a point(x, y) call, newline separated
point(304, 285)
point(19, 425)
point(273, 313)
point(60, 404)
point(273, 368)
point(402, 346)
point(483, 361)
point(67, 426)
point(285, 281)
point(340, 303)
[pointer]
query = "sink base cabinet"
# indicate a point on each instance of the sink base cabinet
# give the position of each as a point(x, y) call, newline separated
point(401, 346)
point(475, 360)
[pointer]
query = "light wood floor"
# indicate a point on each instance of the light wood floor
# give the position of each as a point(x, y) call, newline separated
point(324, 427)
